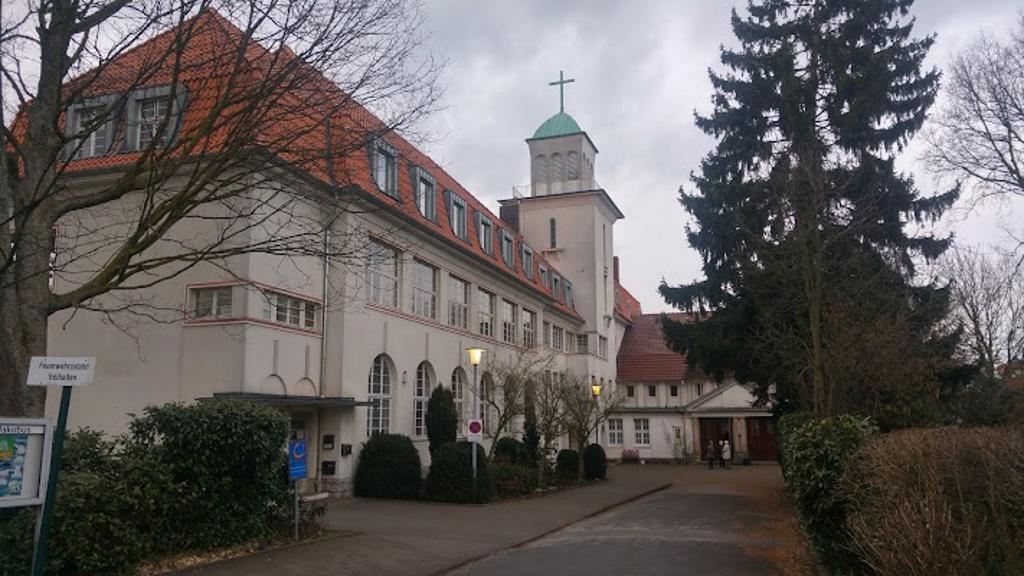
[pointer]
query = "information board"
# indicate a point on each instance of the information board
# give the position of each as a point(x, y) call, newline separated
point(297, 459)
point(24, 461)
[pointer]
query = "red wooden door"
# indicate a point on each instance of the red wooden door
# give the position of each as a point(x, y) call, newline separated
point(714, 429)
point(761, 444)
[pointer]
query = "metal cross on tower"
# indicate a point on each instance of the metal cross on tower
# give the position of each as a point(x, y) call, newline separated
point(561, 82)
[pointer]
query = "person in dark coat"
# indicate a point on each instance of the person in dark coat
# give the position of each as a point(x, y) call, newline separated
point(711, 453)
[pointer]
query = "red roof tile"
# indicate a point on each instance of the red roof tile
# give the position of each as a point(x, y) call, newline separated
point(644, 356)
point(206, 55)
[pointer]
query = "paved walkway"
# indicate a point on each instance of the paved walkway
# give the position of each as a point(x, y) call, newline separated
point(719, 522)
point(421, 538)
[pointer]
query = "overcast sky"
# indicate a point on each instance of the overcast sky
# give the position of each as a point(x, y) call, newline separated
point(641, 71)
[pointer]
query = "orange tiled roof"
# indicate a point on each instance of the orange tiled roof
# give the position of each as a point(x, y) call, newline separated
point(625, 304)
point(644, 356)
point(203, 72)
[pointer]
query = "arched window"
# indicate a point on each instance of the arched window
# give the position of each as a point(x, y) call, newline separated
point(486, 396)
point(572, 166)
point(424, 385)
point(378, 416)
point(540, 168)
point(459, 391)
point(557, 168)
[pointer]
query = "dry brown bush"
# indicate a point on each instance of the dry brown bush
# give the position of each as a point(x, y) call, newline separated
point(939, 501)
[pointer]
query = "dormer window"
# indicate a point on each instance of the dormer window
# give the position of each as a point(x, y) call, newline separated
point(508, 253)
point(527, 257)
point(152, 114)
point(384, 165)
point(84, 121)
point(543, 275)
point(425, 193)
point(485, 233)
point(556, 286)
point(568, 295)
point(457, 214)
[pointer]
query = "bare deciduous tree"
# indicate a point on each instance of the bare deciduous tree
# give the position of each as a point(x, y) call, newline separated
point(265, 104)
point(584, 412)
point(511, 377)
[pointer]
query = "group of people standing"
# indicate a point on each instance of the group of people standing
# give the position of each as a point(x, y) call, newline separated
point(720, 452)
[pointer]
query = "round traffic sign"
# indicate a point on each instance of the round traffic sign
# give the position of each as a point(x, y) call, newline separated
point(475, 427)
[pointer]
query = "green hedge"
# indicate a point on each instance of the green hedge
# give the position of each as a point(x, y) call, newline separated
point(595, 462)
point(442, 418)
point(567, 466)
point(510, 451)
point(388, 467)
point(451, 475)
point(513, 480)
point(186, 479)
point(816, 453)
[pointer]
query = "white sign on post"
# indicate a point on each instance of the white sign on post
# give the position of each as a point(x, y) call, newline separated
point(24, 461)
point(58, 371)
point(476, 431)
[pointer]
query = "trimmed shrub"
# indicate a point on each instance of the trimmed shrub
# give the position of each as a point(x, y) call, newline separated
point(531, 435)
point(442, 419)
point(816, 455)
point(451, 475)
point(567, 466)
point(513, 480)
point(939, 501)
point(388, 467)
point(510, 451)
point(595, 463)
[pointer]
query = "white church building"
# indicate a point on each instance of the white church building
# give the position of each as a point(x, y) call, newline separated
point(357, 349)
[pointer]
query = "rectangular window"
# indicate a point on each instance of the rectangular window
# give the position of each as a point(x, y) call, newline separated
point(485, 312)
point(570, 342)
point(424, 290)
point(543, 275)
point(568, 295)
point(426, 197)
point(152, 112)
point(95, 144)
point(527, 261)
point(508, 253)
point(558, 338)
point(485, 234)
point(642, 430)
point(602, 347)
point(553, 233)
point(508, 322)
point(673, 390)
point(287, 309)
point(700, 389)
point(630, 391)
point(458, 303)
point(652, 390)
point(546, 333)
point(457, 216)
point(581, 343)
point(615, 431)
point(529, 328)
point(211, 302)
point(556, 287)
point(385, 168)
point(382, 272)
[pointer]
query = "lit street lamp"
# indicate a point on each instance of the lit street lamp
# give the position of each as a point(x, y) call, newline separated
point(475, 355)
point(596, 389)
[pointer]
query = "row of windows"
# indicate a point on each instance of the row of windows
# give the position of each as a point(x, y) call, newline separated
point(641, 432)
point(384, 165)
point(149, 118)
point(652, 390)
point(217, 302)
point(496, 317)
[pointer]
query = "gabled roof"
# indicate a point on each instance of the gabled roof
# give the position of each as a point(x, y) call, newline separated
point(644, 356)
point(211, 37)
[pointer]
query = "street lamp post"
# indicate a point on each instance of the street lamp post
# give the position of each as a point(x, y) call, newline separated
point(596, 389)
point(475, 355)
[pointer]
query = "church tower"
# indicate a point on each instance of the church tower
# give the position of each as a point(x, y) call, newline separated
point(570, 218)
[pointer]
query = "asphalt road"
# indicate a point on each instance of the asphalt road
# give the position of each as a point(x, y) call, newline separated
point(721, 522)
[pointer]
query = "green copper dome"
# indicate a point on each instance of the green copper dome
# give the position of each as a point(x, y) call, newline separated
point(560, 124)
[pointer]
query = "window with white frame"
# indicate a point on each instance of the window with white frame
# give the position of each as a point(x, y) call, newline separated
point(556, 286)
point(458, 302)
point(508, 252)
point(558, 338)
point(424, 290)
point(288, 309)
point(485, 233)
point(424, 385)
point(85, 119)
point(459, 392)
point(543, 275)
point(615, 431)
point(382, 271)
point(385, 168)
point(508, 322)
point(652, 390)
point(582, 343)
point(570, 342)
point(602, 346)
point(213, 302)
point(546, 333)
point(426, 194)
point(642, 431)
point(485, 312)
point(673, 390)
point(630, 391)
point(529, 328)
point(700, 388)
point(457, 215)
point(568, 296)
point(378, 415)
point(527, 261)
point(151, 113)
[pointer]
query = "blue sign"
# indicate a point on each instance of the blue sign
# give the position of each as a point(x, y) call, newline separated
point(296, 459)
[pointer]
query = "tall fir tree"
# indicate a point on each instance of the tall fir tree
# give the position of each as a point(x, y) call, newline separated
point(809, 236)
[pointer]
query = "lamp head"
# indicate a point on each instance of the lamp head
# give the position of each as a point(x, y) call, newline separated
point(596, 389)
point(475, 355)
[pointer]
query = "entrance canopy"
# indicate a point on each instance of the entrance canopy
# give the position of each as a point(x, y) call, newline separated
point(298, 401)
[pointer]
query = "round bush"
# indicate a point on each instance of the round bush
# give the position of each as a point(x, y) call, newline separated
point(510, 451)
point(567, 466)
point(595, 463)
point(442, 418)
point(388, 467)
point(513, 480)
point(451, 475)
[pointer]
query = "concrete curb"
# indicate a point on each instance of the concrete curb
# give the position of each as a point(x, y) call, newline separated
point(531, 539)
point(199, 568)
